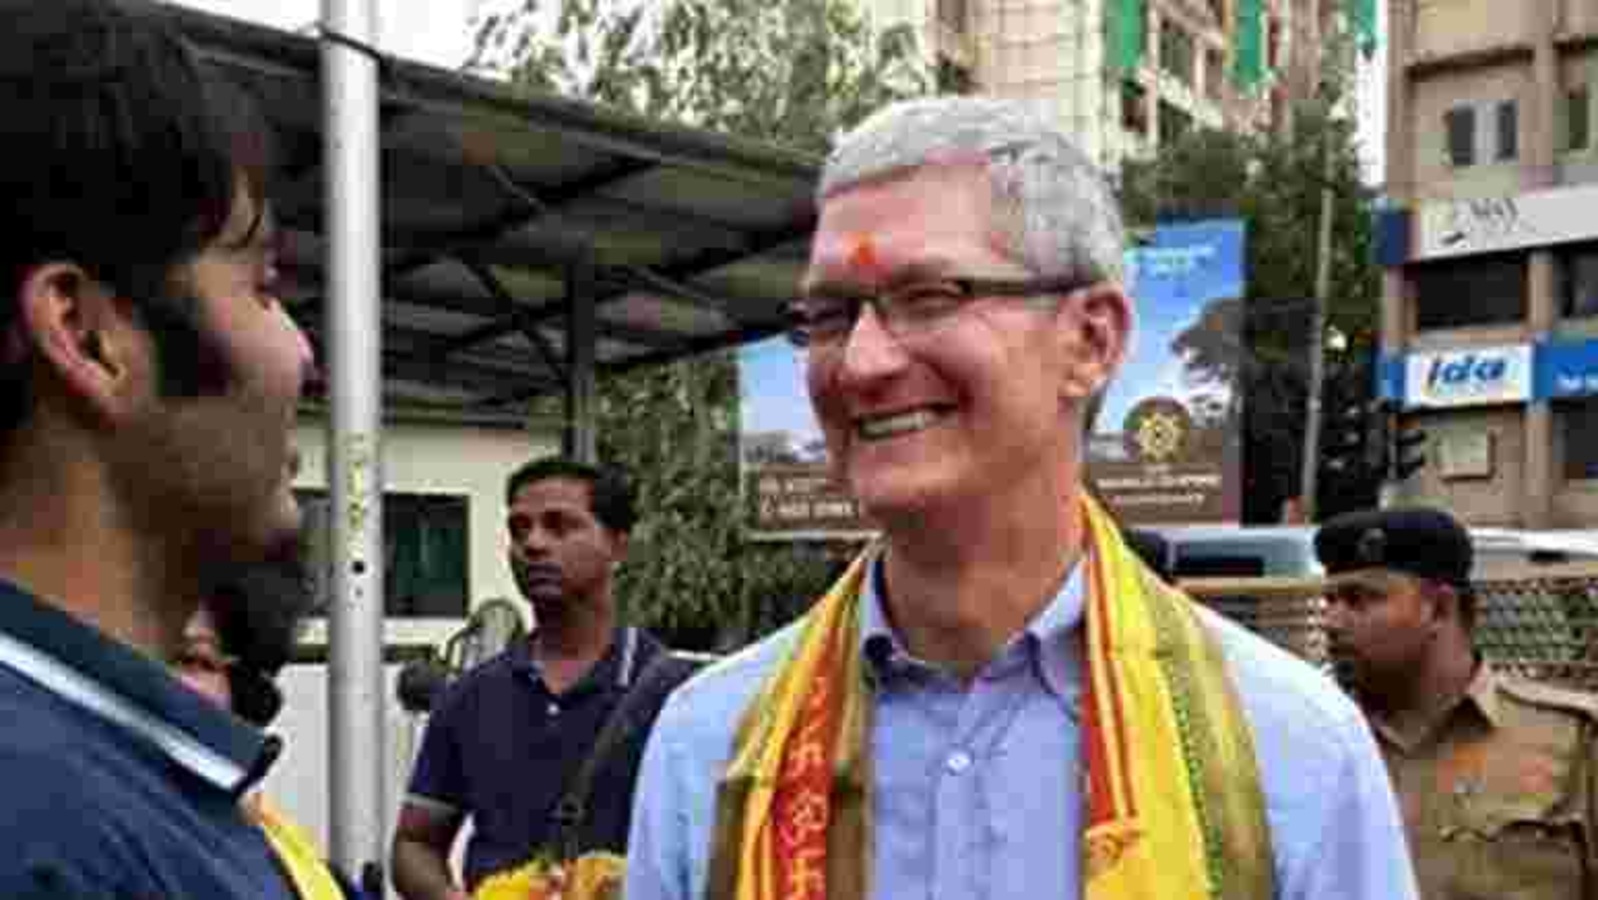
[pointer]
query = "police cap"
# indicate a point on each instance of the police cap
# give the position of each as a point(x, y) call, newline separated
point(1419, 541)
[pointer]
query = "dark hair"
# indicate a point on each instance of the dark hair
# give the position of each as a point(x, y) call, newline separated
point(258, 611)
point(612, 495)
point(124, 155)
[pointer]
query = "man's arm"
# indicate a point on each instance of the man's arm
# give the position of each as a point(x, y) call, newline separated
point(1363, 853)
point(657, 846)
point(420, 856)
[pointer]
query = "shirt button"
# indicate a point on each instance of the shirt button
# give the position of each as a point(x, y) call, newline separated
point(958, 761)
point(553, 709)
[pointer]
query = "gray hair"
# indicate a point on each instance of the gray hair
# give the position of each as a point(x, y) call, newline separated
point(1054, 208)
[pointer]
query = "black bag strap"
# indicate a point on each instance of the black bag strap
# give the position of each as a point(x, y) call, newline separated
point(665, 671)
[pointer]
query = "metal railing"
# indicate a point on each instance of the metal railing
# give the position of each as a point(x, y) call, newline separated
point(1538, 621)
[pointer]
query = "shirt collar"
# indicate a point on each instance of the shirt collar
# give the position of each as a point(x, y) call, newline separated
point(1047, 635)
point(1483, 692)
point(619, 665)
point(113, 681)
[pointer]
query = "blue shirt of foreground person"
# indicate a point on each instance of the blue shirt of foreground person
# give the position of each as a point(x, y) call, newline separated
point(965, 450)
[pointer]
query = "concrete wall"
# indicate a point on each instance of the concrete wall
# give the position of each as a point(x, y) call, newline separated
point(1482, 88)
point(442, 459)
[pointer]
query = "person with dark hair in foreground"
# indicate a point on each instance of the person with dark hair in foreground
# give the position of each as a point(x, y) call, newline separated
point(1497, 776)
point(149, 383)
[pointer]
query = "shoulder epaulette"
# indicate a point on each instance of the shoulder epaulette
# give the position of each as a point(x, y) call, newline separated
point(1551, 696)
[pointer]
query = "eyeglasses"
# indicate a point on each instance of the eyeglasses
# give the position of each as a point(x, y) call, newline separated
point(825, 320)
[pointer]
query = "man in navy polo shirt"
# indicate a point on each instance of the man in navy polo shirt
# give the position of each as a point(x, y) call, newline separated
point(504, 742)
point(149, 381)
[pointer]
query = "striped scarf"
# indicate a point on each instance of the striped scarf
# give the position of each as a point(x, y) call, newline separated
point(1173, 802)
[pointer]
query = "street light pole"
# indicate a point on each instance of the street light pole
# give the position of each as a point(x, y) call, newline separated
point(1317, 331)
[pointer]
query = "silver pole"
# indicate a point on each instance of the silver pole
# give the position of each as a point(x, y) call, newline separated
point(353, 329)
point(1317, 336)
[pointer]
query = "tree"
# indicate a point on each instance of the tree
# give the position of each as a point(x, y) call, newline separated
point(1272, 181)
point(794, 72)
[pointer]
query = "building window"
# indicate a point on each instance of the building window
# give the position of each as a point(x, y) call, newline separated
point(1578, 281)
point(1508, 131)
point(425, 552)
point(1581, 438)
point(1480, 290)
point(953, 78)
point(1460, 124)
point(1134, 108)
point(1174, 124)
point(951, 13)
point(1176, 52)
point(1578, 125)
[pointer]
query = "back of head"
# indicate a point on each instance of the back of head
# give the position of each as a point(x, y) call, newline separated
point(613, 502)
point(1057, 213)
point(124, 156)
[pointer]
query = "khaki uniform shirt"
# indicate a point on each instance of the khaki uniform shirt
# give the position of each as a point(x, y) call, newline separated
point(1499, 796)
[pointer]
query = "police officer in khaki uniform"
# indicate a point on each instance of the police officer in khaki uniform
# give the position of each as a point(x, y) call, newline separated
point(1497, 776)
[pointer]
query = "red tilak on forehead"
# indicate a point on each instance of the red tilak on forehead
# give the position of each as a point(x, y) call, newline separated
point(862, 257)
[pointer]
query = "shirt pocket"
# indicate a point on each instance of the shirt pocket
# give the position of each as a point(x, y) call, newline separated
point(1521, 848)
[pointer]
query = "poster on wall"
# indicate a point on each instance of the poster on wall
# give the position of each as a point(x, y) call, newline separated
point(1166, 444)
point(787, 491)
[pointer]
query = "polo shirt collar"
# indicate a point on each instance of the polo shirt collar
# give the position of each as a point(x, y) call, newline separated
point(618, 666)
point(116, 683)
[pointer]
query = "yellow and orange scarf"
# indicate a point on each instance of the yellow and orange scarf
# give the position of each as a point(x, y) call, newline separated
point(1174, 808)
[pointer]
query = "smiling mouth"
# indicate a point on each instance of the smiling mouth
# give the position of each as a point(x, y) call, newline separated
point(874, 428)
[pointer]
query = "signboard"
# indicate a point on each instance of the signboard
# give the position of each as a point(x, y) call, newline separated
point(1472, 376)
point(1566, 369)
point(785, 482)
point(1166, 445)
point(1449, 228)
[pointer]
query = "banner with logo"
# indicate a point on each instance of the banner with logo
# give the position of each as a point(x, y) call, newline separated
point(1167, 445)
point(1473, 376)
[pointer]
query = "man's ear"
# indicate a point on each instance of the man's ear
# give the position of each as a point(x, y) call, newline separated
point(82, 333)
point(1095, 329)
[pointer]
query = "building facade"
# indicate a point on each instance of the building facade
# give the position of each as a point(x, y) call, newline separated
point(1490, 306)
point(1126, 75)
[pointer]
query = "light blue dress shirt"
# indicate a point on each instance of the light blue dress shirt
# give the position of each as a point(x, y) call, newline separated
point(977, 788)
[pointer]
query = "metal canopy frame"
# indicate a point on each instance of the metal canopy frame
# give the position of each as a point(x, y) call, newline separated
point(517, 227)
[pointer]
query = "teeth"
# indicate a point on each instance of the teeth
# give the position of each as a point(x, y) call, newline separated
point(899, 424)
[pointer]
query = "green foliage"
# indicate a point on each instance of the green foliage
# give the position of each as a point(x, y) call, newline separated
point(793, 72)
point(1272, 181)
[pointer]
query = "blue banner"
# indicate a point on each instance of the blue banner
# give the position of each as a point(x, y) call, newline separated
point(1565, 369)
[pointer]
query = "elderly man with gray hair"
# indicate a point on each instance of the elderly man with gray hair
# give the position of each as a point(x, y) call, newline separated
point(998, 699)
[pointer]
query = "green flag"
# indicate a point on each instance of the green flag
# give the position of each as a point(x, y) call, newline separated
point(1124, 33)
point(1362, 13)
point(1248, 44)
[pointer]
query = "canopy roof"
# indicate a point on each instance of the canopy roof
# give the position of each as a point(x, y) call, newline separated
point(501, 209)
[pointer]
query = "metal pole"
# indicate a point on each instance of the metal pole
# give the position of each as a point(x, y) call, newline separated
point(353, 329)
point(1317, 329)
point(581, 387)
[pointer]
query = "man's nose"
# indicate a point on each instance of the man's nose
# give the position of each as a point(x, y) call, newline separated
point(870, 350)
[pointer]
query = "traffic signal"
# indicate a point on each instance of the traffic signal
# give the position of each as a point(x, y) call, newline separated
point(1346, 447)
point(1409, 450)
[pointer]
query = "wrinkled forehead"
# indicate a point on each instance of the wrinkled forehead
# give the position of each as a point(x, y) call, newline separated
point(921, 218)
